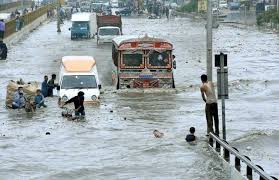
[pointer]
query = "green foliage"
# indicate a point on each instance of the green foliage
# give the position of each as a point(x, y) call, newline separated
point(190, 7)
point(271, 16)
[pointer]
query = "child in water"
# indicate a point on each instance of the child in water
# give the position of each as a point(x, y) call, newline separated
point(191, 137)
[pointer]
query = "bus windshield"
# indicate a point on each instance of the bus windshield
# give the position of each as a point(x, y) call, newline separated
point(109, 32)
point(80, 25)
point(79, 82)
point(135, 59)
point(160, 59)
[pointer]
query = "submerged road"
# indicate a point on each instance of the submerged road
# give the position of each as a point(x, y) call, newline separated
point(120, 145)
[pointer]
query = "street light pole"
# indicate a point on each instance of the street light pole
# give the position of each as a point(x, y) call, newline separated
point(209, 40)
point(22, 6)
point(277, 12)
point(58, 16)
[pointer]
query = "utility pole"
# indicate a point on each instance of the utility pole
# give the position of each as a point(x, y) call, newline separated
point(245, 15)
point(22, 4)
point(209, 40)
point(277, 12)
point(58, 16)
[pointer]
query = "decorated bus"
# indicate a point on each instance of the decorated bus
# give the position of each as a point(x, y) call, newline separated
point(142, 62)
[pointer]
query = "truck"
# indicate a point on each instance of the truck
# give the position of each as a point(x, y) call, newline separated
point(108, 27)
point(83, 25)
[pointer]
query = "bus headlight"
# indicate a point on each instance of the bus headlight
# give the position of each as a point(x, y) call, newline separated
point(94, 98)
point(64, 98)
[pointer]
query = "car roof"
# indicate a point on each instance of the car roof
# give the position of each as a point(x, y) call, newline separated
point(78, 63)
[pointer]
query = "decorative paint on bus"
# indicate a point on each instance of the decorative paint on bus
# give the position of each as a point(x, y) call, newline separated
point(142, 62)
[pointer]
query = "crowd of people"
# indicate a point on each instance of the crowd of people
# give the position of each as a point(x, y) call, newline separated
point(157, 9)
point(20, 101)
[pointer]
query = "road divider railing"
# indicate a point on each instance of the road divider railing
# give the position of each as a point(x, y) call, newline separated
point(223, 148)
point(26, 19)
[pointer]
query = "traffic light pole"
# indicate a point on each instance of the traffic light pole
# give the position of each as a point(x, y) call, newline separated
point(222, 60)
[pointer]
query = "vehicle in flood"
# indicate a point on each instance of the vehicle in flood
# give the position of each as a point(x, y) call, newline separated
point(83, 25)
point(79, 73)
point(109, 27)
point(142, 62)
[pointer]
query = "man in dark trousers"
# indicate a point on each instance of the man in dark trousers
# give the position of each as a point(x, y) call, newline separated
point(3, 50)
point(211, 107)
point(78, 102)
point(51, 85)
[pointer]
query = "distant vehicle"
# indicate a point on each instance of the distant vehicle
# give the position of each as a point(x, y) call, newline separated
point(260, 8)
point(79, 73)
point(173, 5)
point(85, 7)
point(5, 16)
point(142, 62)
point(223, 4)
point(107, 33)
point(97, 7)
point(234, 5)
point(124, 12)
point(269, 7)
point(215, 11)
point(109, 26)
point(83, 25)
point(114, 3)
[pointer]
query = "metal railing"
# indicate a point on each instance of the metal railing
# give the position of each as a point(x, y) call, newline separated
point(217, 144)
point(26, 19)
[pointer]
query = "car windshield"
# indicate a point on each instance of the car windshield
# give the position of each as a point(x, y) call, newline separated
point(109, 31)
point(134, 59)
point(78, 82)
point(159, 58)
point(82, 25)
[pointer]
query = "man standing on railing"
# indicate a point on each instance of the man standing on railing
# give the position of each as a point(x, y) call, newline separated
point(211, 107)
point(2, 28)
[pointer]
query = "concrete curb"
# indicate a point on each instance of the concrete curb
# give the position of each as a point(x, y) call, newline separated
point(14, 38)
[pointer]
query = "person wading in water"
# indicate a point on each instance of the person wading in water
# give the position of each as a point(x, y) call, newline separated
point(78, 102)
point(211, 107)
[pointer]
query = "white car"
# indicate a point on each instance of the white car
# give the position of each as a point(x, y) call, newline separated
point(79, 73)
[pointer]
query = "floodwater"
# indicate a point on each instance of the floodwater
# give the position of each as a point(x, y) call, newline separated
point(120, 144)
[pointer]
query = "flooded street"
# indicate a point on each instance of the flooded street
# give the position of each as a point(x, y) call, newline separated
point(115, 141)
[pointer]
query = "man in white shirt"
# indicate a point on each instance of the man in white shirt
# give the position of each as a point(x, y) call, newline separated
point(211, 107)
